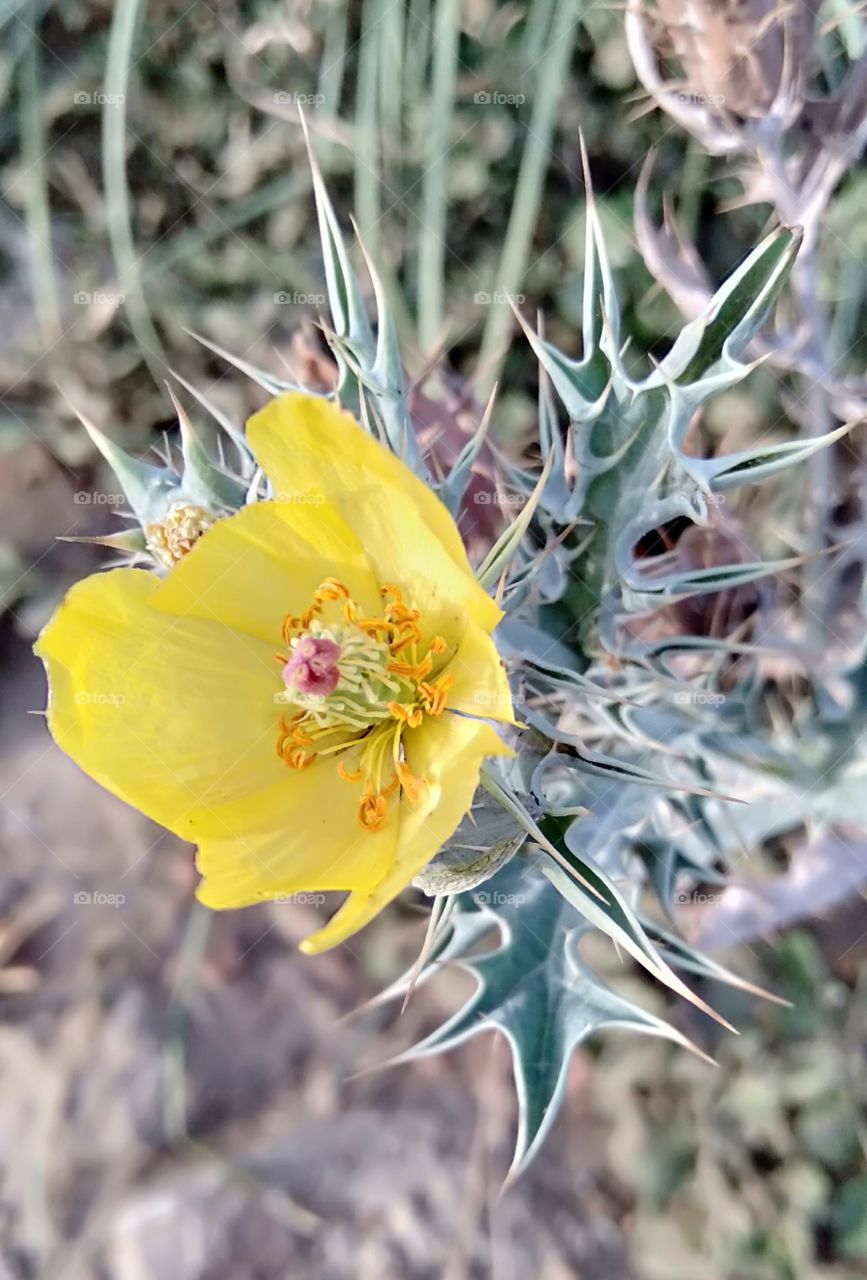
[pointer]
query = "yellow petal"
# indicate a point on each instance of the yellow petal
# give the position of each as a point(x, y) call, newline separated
point(306, 445)
point(479, 684)
point(301, 834)
point(171, 714)
point(177, 717)
point(251, 569)
point(447, 752)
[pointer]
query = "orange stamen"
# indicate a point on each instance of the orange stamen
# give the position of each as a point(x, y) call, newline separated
point(433, 695)
point(372, 811)
point(302, 739)
point(414, 670)
point(414, 786)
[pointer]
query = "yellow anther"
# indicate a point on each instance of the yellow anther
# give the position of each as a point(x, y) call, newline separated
point(372, 812)
point(414, 670)
point(433, 695)
point(407, 634)
point(406, 714)
point(374, 626)
point(414, 786)
point(331, 589)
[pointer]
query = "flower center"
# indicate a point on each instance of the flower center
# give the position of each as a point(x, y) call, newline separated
point(354, 685)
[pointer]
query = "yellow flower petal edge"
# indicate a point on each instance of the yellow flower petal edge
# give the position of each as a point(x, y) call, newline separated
point(449, 755)
point(307, 694)
point(308, 447)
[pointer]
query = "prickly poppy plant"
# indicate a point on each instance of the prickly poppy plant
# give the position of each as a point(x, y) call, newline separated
point(319, 691)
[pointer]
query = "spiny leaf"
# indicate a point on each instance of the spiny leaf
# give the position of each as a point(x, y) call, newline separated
point(234, 433)
point(613, 916)
point(536, 990)
point(749, 466)
point(683, 956)
point(131, 540)
point(202, 481)
point(348, 313)
point(594, 762)
point(576, 381)
point(736, 312)
point(148, 489)
point(504, 549)
point(454, 486)
point(273, 385)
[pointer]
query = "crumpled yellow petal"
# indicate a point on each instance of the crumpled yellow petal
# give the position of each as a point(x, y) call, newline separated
point(171, 714)
point(249, 570)
point(306, 445)
point(301, 834)
point(448, 752)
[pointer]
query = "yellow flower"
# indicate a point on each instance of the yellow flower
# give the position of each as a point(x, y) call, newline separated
point(347, 762)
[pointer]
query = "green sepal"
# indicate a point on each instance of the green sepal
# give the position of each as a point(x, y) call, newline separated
point(149, 490)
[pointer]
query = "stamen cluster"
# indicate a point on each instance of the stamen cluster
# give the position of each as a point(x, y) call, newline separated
point(356, 684)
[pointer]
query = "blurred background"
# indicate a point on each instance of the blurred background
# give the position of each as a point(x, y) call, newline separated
point(181, 1094)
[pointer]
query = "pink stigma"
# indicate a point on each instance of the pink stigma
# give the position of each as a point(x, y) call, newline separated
point(313, 666)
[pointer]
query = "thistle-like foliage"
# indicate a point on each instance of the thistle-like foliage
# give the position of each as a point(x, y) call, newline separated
point(622, 782)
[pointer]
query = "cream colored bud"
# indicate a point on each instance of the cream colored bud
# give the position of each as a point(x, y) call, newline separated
point(171, 539)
